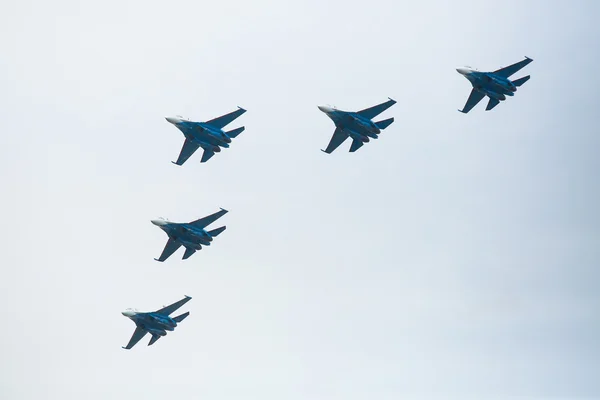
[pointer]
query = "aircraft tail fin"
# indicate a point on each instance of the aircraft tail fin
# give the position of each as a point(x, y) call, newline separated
point(215, 232)
point(356, 144)
point(522, 80)
point(234, 132)
point(181, 317)
point(154, 339)
point(188, 252)
point(385, 123)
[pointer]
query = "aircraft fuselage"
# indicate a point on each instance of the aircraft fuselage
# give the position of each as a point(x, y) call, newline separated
point(187, 234)
point(355, 125)
point(494, 86)
point(206, 136)
point(156, 324)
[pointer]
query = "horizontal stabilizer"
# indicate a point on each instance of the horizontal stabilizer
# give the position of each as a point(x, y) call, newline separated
point(356, 144)
point(207, 155)
point(234, 132)
point(181, 317)
point(522, 80)
point(492, 103)
point(188, 253)
point(385, 123)
point(153, 340)
point(215, 232)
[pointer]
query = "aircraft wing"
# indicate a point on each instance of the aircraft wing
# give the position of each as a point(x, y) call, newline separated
point(223, 120)
point(168, 310)
point(170, 248)
point(138, 334)
point(339, 136)
point(511, 69)
point(204, 222)
point(374, 111)
point(189, 148)
point(474, 98)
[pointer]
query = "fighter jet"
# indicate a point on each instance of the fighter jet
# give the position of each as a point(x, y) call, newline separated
point(494, 85)
point(209, 135)
point(357, 125)
point(190, 235)
point(157, 323)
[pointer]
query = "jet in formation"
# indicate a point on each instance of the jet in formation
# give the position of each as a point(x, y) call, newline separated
point(191, 235)
point(358, 125)
point(209, 135)
point(494, 85)
point(157, 323)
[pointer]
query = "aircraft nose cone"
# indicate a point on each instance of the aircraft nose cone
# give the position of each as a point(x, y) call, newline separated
point(325, 109)
point(172, 120)
point(158, 222)
point(462, 71)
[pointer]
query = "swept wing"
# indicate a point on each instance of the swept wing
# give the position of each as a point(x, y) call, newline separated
point(204, 222)
point(189, 148)
point(474, 98)
point(374, 111)
point(168, 310)
point(223, 120)
point(339, 136)
point(138, 334)
point(170, 248)
point(512, 69)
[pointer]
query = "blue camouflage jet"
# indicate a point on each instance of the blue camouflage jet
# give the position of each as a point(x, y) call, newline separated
point(494, 85)
point(357, 125)
point(191, 235)
point(157, 323)
point(209, 135)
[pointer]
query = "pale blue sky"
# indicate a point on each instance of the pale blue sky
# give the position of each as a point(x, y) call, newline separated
point(455, 257)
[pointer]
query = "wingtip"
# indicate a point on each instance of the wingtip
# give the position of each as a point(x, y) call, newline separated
point(392, 100)
point(187, 297)
point(222, 209)
point(530, 59)
point(324, 151)
point(242, 109)
point(124, 348)
point(156, 259)
point(174, 162)
point(461, 111)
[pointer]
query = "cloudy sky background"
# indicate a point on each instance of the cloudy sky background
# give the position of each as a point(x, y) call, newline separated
point(455, 257)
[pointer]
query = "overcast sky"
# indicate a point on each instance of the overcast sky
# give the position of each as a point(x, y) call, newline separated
point(455, 257)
